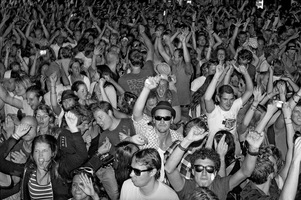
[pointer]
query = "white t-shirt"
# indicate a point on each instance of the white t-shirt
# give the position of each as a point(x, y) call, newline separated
point(130, 192)
point(219, 119)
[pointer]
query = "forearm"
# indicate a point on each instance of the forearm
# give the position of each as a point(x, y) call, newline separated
point(260, 127)
point(53, 100)
point(222, 170)
point(289, 189)
point(140, 103)
point(176, 156)
point(211, 88)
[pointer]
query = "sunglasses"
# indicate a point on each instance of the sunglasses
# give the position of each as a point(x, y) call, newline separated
point(87, 170)
point(200, 168)
point(166, 118)
point(138, 172)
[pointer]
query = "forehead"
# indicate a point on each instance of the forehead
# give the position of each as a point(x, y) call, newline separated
point(99, 112)
point(138, 165)
point(163, 112)
point(42, 145)
point(227, 96)
point(297, 108)
point(204, 162)
point(41, 112)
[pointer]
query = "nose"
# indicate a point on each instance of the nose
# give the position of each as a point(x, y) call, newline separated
point(162, 121)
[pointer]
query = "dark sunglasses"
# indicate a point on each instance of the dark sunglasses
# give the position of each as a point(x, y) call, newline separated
point(200, 168)
point(166, 118)
point(138, 171)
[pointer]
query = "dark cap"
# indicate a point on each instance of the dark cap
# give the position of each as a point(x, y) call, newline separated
point(68, 94)
point(164, 105)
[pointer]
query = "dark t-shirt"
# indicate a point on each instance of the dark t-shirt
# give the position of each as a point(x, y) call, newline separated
point(125, 126)
point(220, 186)
point(134, 83)
point(251, 192)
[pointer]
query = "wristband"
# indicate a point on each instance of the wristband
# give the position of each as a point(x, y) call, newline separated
point(181, 147)
point(253, 153)
point(16, 136)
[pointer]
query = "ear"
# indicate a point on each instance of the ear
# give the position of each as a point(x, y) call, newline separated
point(153, 172)
point(40, 99)
point(218, 98)
point(110, 113)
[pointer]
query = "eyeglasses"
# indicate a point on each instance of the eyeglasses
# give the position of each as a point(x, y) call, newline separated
point(166, 118)
point(87, 170)
point(138, 172)
point(200, 168)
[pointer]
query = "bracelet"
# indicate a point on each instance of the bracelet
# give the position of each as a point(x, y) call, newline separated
point(181, 147)
point(253, 153)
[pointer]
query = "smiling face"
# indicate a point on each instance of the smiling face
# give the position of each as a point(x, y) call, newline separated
point(77, 192)
point(296, 115)
point(20, 89)
point(226, 101)
point(32, 100)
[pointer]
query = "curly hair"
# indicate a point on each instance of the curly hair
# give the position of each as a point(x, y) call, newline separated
point(202, 193)
point(205, 153)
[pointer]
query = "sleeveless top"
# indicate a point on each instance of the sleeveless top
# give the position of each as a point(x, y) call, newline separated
point(37, 191)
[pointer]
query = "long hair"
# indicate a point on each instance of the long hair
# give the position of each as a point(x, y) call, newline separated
point(124, 153)
point(53, 165)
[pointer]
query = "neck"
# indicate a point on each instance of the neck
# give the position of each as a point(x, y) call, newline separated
point(136, 70)
point(115, 123)
point(265, 187)
point(150, 187)
point(43, 130)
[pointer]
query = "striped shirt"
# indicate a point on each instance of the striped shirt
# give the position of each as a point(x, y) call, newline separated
point(37, 191)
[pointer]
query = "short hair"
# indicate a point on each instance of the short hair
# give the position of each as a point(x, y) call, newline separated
point(37, 90)
point(102, 105)
point(128, 103)
point(264, 166)
point(225, 89)
point(205, 153)
point(194, 122)
point(76, 84)
point(150, 158)
point(136, 58)
point(202, 193)
point(245, 54)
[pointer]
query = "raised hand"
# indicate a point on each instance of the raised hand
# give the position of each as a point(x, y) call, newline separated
point(254, 139)
point(87, 186)
point(22, 130)
point(105, 147)
point(257, 93)
point(243, 69)
point(72, 121)
point(196, 134)
point(221, 147)
point(53, 78)
point(97, 50)
point(219, 69)
point(151, 83)
point(101, 82)
point(238, 23)
point(272, 107)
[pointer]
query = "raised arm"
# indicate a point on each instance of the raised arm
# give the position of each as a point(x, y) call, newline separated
point(174, 176)
point(161, 49)
point(53, 95)
point(209, 103)
point(148, 43)
point(149, 84)
point(249, 84)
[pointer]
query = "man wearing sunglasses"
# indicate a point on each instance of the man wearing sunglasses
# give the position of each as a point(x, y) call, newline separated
point(206, 164)
point(145, 172)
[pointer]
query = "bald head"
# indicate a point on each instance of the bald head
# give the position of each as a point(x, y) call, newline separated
point(32, 122)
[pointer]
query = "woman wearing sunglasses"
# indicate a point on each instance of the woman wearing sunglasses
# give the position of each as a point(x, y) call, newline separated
point(45, 174)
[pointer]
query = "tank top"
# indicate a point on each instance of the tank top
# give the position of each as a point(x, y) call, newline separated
point(37, 191)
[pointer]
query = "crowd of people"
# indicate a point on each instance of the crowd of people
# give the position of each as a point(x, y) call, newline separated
point(159, 100)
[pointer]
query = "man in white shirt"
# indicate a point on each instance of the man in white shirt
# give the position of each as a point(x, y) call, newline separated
point(144, 184)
